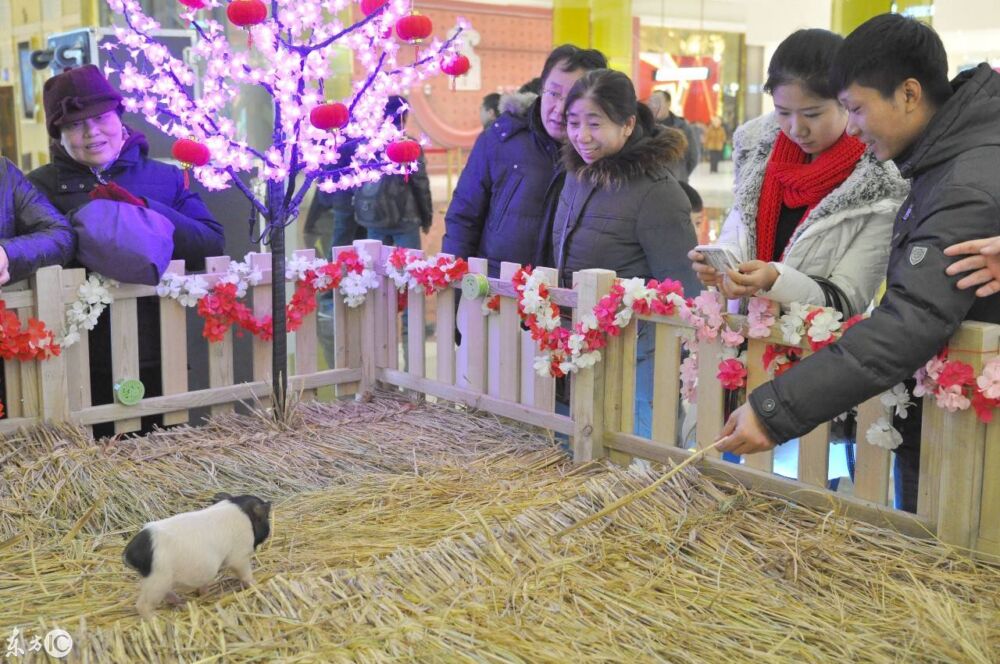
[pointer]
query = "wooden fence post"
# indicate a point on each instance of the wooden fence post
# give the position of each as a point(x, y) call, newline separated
point(261, 299)
point(963, 470)
point(373, 307)
point(220, 353)
point(587, 391)
point(306, 339)
point(173, 348)
point(470, 369)
point(444, 332)
point(49, 309)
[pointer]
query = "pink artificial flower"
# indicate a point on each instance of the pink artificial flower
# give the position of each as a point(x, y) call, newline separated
point(731, 338)
point(989, 381)
point(952, 398)
point(732, 374)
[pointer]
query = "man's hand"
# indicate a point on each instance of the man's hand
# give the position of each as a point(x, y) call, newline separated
point(743, 433)
point(4, 266)
point(982, 264)
point(752, 277)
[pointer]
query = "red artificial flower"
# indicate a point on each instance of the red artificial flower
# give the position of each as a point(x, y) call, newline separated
point(984, 406)
point(402, 298)
point(956, 373)
point(399, 258)
point(493, 304)
point(851, 322)
point(732, 374)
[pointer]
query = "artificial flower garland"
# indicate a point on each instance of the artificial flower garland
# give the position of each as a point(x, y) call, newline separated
point(953, 384)
point(566, 350)
point(220, 306)
point(92, 297)
point(34, 342)
point(429, 276)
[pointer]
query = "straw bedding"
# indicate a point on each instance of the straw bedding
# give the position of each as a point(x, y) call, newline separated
point(423, 533)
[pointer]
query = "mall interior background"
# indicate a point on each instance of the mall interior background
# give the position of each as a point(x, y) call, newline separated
point(711, 54)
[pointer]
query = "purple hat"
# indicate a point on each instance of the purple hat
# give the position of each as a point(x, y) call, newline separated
point(77, 94)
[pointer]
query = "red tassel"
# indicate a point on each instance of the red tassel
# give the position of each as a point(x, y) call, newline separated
point(249, 39)
point(187, 180)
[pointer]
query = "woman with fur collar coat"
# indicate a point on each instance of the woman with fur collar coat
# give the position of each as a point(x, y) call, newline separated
point(620, 208)
point(813, 210)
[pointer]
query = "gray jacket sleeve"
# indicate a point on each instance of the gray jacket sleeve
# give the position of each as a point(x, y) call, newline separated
point(921, 310)
point(42, 236)
point(666, 234)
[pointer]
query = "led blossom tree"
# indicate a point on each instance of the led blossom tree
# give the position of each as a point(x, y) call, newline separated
point(338, 145)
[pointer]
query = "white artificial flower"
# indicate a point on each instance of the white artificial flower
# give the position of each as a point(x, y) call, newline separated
point(793, 324)
point(824, 324)
point(587, 360)
point(623, 317)
point(542, 363)
point(897, 399)
point(882, 434)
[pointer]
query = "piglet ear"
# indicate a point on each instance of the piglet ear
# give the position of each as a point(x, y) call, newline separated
point(262, 510)
point(219, 497)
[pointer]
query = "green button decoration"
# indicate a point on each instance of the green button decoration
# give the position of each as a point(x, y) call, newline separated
point(475, 286)
point(130, 392)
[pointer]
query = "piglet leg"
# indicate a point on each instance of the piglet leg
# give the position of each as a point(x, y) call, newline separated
point(241, 566)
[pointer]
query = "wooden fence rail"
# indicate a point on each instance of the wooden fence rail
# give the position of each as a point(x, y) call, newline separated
point(492, 369)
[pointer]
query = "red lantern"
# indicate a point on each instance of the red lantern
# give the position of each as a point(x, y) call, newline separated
point(190, 153)
point(246, 13)
point(401, 152)
point(414, 28)
point(193, 4)
point(329, 116)
point(369, 7)
point(456, 66)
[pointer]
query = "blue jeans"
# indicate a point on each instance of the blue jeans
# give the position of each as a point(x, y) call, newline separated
point(394, 237)
point(644, 380)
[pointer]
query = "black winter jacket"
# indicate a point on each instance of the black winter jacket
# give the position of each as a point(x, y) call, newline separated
point(626, 213)
point(683, 168)
point(954, 197)
point(498, 208)
point(396, 202)
point(32, 232)
point(68, 184)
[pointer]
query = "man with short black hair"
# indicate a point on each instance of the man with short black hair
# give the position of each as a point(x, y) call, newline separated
point(500, 208)
point(659, 104)
point(892, 76)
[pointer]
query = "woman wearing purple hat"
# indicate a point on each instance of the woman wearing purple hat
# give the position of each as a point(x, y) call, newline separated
point(98, 160)
point(32, 233)
point(96, 156)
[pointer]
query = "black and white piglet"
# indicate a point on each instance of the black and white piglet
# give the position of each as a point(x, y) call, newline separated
point(186, 551)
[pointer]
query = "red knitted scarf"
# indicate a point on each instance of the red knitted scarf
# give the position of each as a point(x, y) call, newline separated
point(794, 182)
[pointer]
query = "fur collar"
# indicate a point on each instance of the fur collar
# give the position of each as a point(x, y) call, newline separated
point(643, 154)
point(870, 182)
point(517, 103)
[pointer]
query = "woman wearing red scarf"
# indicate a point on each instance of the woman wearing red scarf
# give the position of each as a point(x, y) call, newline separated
point(813, 211)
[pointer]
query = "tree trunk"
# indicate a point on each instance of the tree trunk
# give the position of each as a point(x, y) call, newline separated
point(279, 344)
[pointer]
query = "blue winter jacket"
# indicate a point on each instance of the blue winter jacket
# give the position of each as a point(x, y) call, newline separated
point(68, 184)
point(32, 232)
point(498, 210)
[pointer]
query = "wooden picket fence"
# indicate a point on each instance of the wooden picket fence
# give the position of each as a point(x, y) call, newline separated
point(492, 370)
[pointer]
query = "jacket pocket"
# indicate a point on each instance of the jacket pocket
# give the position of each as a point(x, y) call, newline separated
point(498, 212)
